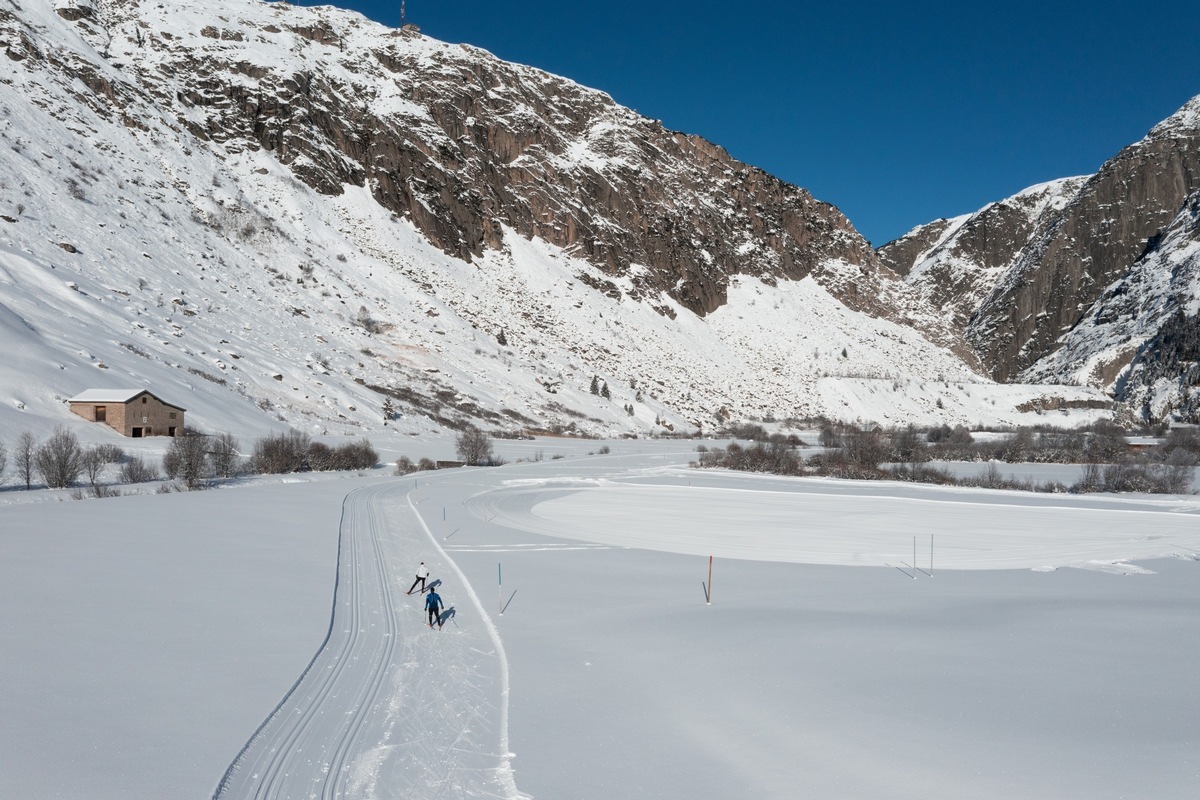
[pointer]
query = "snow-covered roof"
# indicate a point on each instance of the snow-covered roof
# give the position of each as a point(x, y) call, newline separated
point(115, 396)
point(106, 396)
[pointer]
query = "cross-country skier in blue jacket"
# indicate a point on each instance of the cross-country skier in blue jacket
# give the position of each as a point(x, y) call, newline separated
point(433, 604)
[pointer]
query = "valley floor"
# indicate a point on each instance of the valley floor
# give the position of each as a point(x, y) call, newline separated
point(148, 639)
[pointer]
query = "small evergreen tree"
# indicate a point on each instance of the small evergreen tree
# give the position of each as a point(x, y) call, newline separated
point(595, 388)
point(604, 392)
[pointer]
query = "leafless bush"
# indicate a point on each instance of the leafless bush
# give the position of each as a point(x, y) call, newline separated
point(281, 453)
point(3, 462)
point(110, 453)
point(908, 447)
point(96, 491)
point(223, 455)
point(1091, 480)
point(405, 465)
point(187, 458)
point(23, 457)
point(59, 460)
point(837, 464)
point(426, 464)
point(920, 473)
point(865, 448)
point(776, 458)
point(136, 470)
point(1185, 439)
point(359, 455)
point(830, 437)
point(92, 462)
point(473, 446)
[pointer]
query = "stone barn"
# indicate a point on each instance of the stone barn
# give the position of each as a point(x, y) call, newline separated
point(130, 412)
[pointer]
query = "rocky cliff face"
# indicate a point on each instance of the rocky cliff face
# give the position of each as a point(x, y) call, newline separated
point(954, 264)
point(1070, 281)
point(1113, 220)
point(1138, 341)
point(465, 145)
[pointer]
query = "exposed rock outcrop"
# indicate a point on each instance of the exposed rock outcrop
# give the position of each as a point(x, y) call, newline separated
point(1112, 222)
point(465, 145)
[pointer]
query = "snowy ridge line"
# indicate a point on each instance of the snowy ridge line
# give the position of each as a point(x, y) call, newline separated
point(223, 784)
point(504, 771)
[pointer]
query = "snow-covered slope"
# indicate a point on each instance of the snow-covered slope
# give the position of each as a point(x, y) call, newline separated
point(167, 220)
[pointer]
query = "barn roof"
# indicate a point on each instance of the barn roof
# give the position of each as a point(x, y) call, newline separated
point(116, 396)
point(106, 396)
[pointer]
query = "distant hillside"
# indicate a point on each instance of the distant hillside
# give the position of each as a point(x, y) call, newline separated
point(284, 216)
point(1073, 281)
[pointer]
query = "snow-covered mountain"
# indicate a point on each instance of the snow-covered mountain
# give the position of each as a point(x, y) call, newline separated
point(280, 215)
point(1090, 281)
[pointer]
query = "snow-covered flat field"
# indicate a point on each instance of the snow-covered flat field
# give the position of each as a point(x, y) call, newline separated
point(258, 642)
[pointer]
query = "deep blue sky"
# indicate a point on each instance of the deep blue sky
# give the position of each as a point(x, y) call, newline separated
point(897, 113)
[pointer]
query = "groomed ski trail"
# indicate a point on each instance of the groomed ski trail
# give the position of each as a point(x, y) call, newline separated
point(388, 708)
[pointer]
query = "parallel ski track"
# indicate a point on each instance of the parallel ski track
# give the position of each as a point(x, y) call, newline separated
point(302, 749)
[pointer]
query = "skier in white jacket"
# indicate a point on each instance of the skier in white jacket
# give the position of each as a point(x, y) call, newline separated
point(422, 574)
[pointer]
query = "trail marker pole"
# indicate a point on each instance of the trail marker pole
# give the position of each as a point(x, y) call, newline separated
point(931, 555)
point(500, 580)
point(708, 586)
point(914, 566)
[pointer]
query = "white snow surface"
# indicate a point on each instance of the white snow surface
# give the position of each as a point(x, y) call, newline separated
point(182, 645)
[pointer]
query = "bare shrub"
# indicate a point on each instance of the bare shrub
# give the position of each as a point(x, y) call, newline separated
point(865, 449)
point(908, 447)
point(320, 457)
point(837, 464)
point(405, 465)
point(224, 456)
point(59, 460)
point(92, 462)
point(3, 462)
point(776, 458)
point(110, 453)
point(1186, 439)
point(136, 470)
point(426, 464)
point(1106, 444)
point(23, 457)
point(281, 453)
point(358, 455)
point(920, 473)
point(473, 446)
point(1091, 480)
point(187, 458)
point(830, 437)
